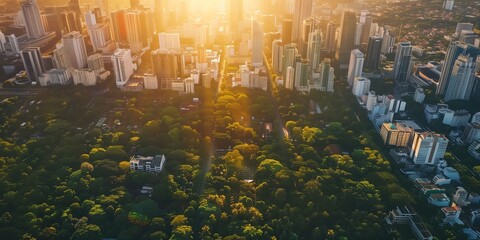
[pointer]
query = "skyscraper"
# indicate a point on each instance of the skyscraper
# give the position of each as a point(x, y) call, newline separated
point(302, 10)
point(160, 13)
point(32, 62)
point(289, 77)
point(355, 68)
point(235, 11)
point(99, 34)
point(428, 148)
point(74, 46)
point(32, 19)
point(122, 66)
point(373, 52)
point(167, 66)
point(277, 54)
point(289, 55)
point(287, 31)
point(330, 38)
point(119, 28)
point(361, 86)
point(462, 79)
point(257, 44)
point(326, 75)
point(388, 41)
point(301, 75)
point(314, 48)
point(133, 28)
point(70, 22)
point(455, 49)
point(346, 39)
point(401, 65)
point(366, 20)
point(168, 41)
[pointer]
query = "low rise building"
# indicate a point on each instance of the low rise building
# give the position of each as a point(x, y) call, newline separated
point(148, 164)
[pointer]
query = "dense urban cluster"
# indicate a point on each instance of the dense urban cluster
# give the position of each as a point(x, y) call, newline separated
point(239, 119)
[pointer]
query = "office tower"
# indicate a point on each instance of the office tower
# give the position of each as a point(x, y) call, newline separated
point(373, 53)
point(462, 26)
point(448, 4)
point(99, 33)
point(133, 28)
point(357, 40)
point(326, 75)
point(361, 86)
point(428, 148)
point(160, 13)
point(302, 10)
point(257, 44)
point(277, 54)
point(287, 31)
point(461, 196)
point(308, 26)
point(3, 40)
point(75, 7)
point(471, 133)
point(314, 48)
point(396, 134)
point(388, 41)
point(268, 22)
point(301, 75)
point(289, 55)
point(32, 19)
point(475, 97)
point(119, 28)
point(95, 62)
point(468, 36)
point(122, 66)
point(74, 46)
point(168, 41)
point(69, 22)
point(455, 49)
point(461, 81)
point(346, 39)
point(11, 44)
point(167, 66)
point(330, 38)
point(289, 77)
point(355, 68)
point(401, 65)
point(236, 16)
point(366, 20)
point(135, 4)
point(104, 7)
point(32, 62)
point(60, 59)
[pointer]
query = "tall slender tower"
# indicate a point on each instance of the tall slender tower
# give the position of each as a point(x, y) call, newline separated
point(32, 19)
point(373, 52)
point(32, 61)
point(355, 67)
point(160, 13)
point(314, 48)
point(346, 39)
point(455, 49)
point(122, 66)
point(302, 10)
point(74, 46)
point(462, 79)
point(235, 10)
point(401, 66)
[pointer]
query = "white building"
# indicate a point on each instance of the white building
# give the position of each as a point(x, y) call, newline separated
point(290, 78)
point(457, 118)
point(419, 96)
point(428, 148)
point(122, 66)
point(56, 77)
point(75, 51)
point(150, 81)
point(169, 41)
point(361, 86)
point(371, 100)
point(448, 4)
point(461, 196)
point(148, 164)
point(277, 54)
point(85, 77)
point(355, 68)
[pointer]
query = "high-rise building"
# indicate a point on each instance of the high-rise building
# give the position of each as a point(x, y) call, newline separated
point(448, 4)
point(428, 148)
point(95, 62)
point(133, 25)
point(69, 22)
point(388, 41)
point(373, 53)
point(330, 38)
point(346, 39)
point(122, 66)
point(357, 39)
point(289, 77)
point(326, 75)
point(471, 133)
point(288, 59)
point(302, 10)
point(314, 48)
point(160, 12)
point(235, 11)
point(32, 62)
point(74, 46)
point(301, 75)
point(60, 60)
point(277, 54)
point(99, 33)
point(3, 40)
point(366, 20)
point(396, 134)
point(11, 44)
point(118, 26)
point(257, 44)
point(462, 26)
point(361, 86)
point(468, 36)
point(401, 66)
point(461, 81)
point(167, 65)
point(168, 41)
point(455, 49)
point(104, 7)
point(355, 67)
point(32, 19)
point(287, 31)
